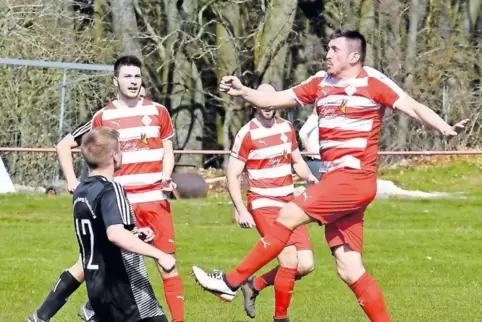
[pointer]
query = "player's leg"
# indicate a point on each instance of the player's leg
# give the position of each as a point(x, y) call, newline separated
point(67, 283)
point(284, 282)
point(157, 215)
point(296, 261)
point(345, 238)
point(304, 251)
point(173, 293)
point(340, 193)
point(271, 245)
point(268, 248)
point(264, 219)
point(306, 264)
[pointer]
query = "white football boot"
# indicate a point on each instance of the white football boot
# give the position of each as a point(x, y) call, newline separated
point(214, 283)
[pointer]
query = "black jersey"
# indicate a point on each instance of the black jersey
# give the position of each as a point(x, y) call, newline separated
point(117, 283)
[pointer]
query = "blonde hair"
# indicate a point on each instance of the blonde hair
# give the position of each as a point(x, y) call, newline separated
point(98, 146)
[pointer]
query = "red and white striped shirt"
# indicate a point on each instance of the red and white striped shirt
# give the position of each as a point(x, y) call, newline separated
point(350, 115)
point(267, 153)
point(142, 130)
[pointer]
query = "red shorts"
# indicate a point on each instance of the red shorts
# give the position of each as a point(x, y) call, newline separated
point(338, 202)
point(157, 216)
point(266, 216)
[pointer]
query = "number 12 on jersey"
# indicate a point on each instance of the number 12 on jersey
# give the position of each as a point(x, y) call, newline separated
point(86, 230)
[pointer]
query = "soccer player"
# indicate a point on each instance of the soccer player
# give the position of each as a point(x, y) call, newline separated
point(69, 281)
point(149, 161)
point(350, 101)
point(110, 242)
point(266, 148)
point(72, 140)
point(146, 131)
point(310, 141)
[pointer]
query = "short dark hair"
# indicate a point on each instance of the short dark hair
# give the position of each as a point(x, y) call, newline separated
point(353, 34)
point(128, 60)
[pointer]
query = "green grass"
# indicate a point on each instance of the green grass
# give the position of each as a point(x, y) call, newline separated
point(424, 253)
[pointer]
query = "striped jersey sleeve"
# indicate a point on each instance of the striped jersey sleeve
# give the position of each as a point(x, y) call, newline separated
point(115, 208)
point(79, 132)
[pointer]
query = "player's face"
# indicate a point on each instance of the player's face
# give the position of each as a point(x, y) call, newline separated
point(129, 81)
point(267, 114)
point(339, 56)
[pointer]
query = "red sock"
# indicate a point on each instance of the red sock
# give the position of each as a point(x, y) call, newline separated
point(173, 292)
point(267, 279)
point(263, 252)
point(284, 284)
point(370, 297)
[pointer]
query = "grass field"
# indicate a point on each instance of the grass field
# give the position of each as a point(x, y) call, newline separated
point(424, 253)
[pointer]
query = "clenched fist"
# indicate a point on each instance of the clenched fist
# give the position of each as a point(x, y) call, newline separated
point(231, 85)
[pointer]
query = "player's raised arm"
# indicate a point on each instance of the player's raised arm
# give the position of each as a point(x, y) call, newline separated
point(426, 116)
point(116, 215)
point(64, 154)
point(388, 93)
point(259, 99)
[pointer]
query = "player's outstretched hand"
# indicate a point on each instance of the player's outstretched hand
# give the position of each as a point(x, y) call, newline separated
point(167, 262)
point(451, 131)
point(146, 234)
point(72, 185)
point(168, 185)
point(460, 126)
point(312, 179)
point(231, 85)
point(246, 220)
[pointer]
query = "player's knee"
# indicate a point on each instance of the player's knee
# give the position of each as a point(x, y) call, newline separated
point(305, 267)
point(349, 264)
point(306, 262)
point(288, 257)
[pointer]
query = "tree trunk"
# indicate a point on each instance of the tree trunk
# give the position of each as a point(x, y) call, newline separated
point(270, 50)
point(184, 90)
point(227, 30)
point(417, 12)
point(125, 26)
point(367, 25)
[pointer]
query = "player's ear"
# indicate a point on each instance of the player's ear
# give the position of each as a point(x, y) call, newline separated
point(354, 57)
point(115, 81)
